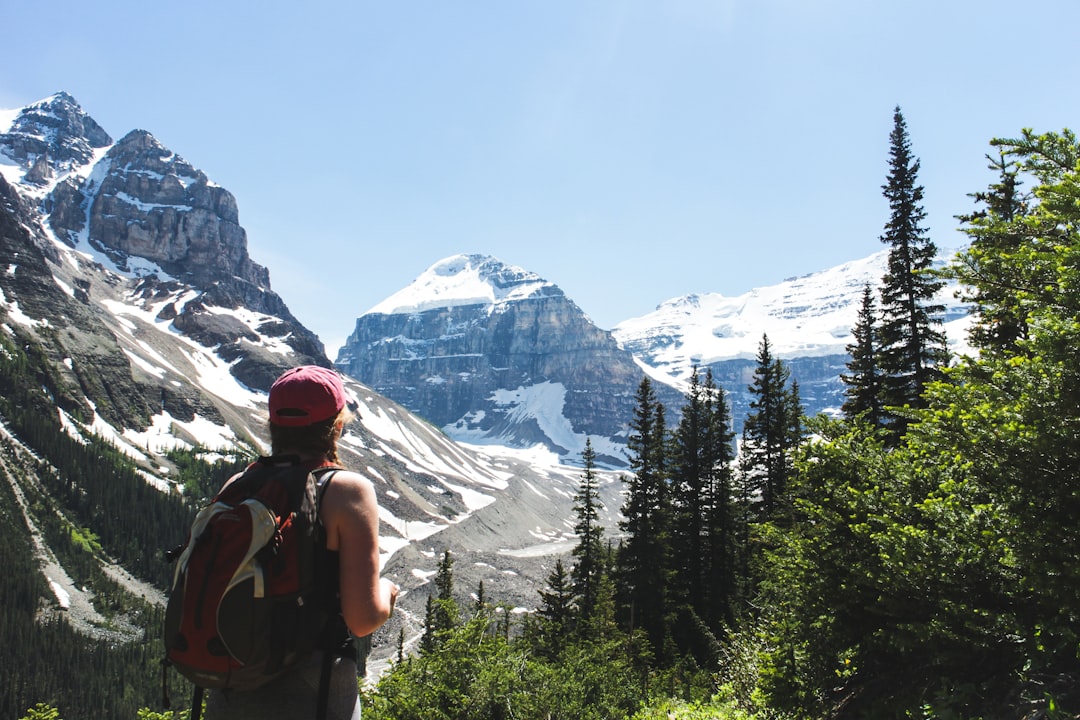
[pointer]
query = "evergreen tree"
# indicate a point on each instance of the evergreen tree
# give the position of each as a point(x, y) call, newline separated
point(644, 556)
point(481, 599)
point(912, 343)
point(689, 479)
point(995, 229)
point(772, 430)
point(586, 572)
point(441, 613)
point(864, 385)
point(701, 456)
point(427, 640)
point(720, 585)
point(556, 611)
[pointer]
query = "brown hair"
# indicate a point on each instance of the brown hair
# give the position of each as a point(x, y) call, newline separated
point(316, 439)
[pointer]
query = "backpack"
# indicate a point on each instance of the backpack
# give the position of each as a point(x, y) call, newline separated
point(250, 596)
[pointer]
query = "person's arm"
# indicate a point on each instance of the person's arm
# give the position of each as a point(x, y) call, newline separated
point(351, 515)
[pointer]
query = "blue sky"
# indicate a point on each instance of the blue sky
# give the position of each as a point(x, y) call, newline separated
point(630, 152)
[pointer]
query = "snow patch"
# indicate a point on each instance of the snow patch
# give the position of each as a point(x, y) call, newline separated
point(462, 280)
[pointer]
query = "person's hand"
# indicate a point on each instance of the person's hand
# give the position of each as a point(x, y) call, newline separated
point(393, 593)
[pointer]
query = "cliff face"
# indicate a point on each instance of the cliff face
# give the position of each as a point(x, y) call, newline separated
point(111, 246)
point(510, 359)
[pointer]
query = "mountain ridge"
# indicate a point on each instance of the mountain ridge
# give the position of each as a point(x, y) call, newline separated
point(129, 284)
point(153, 359)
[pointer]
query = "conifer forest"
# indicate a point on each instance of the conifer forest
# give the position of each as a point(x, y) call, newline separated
point(915, 556)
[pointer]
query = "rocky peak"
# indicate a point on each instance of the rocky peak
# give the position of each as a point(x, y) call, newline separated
point(144, 201)
point(490, 352)
point(55, 128)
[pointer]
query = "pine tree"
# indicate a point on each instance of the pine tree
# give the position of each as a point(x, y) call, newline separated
point(701, 457)
point(690, 474)
point(912, 343)
point(863, 391)
point(995, 229)
point(771, 432)
point(481, 599)
point(556, 610)
point(586, 572)
point(441, 613)
point(644, 556)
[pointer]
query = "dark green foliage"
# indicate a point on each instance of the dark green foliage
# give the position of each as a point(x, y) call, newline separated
point(587, 572)
point(442, 612)
point(912, 346)
point(92, 506)
point(771, 433)
point(557, 616)
point(703, 538)
point(994, 227)
point(644, 562)
point(863, 389)
point(938, 574)
point(482, 675)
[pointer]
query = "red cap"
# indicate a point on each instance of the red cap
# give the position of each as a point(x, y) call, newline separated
point(306, 395)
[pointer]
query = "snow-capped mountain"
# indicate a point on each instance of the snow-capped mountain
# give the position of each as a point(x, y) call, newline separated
point(127, 293)
point(807, 319)
point(494, 354)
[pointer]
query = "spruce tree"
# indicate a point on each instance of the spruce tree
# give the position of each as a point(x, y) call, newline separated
point(689, 480)
point(771, 432)
point(556, 610)
point(912, 343)
point(441, 612)
point(644, 556)
point(701, 456)
point(586, 572)
point(996, 228)
point(863, 384)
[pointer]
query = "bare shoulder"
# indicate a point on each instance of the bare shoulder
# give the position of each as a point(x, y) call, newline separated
point(347, 486)
point(349, 507)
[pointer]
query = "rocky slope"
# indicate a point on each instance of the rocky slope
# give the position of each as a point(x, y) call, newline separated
point(127, 281)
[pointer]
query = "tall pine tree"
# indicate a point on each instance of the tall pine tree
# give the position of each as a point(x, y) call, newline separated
point(587, 572)
point(701, 457)
point(644, 555)
point(912, 343)
point(772, 430)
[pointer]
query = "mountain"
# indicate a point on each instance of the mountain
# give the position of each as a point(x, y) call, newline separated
point(138, 339)
point(135, 327)
point(807, 319)
point(494, 354)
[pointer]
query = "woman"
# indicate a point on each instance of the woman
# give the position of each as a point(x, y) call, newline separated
point(307, 417)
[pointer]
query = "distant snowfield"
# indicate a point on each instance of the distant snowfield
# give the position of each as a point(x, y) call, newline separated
point(809, 316)
point(542, 403)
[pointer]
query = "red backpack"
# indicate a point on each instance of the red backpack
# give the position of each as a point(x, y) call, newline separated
point(249, 597)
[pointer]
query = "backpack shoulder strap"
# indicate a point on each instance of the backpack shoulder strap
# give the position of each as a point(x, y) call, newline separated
point(323, 476)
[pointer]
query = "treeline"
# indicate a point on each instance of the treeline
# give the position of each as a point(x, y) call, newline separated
point(91, 506)
point(914, 557)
